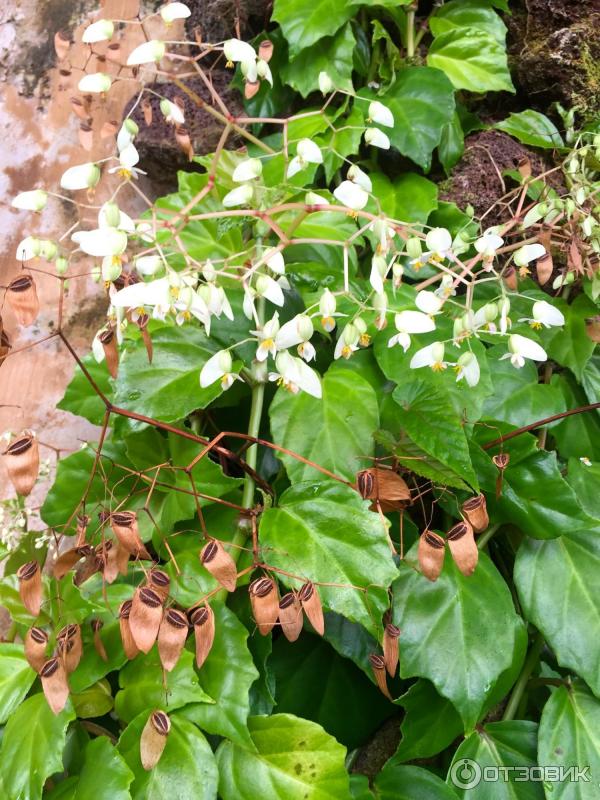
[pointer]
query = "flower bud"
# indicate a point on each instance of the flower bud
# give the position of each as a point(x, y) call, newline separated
point(96, 83)
point(61, 265)
point(48, 249)
point(146, 53)
point(414, 247)
point(327, 304)
point(305, 326)
point(111, 270)
point(98, 31)
point(173, 11)
point(325, 83)
point(83, 176)
point(111, 214)
point(30, 201)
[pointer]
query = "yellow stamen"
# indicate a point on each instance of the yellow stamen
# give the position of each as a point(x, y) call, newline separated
point(365, 340)
point(125, 173)
point(535, 325)
point(438, 366)
point(346, 351)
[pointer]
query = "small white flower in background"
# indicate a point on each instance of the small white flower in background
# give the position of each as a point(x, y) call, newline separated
point(384, 234)
point(269, 288)
point(430, 356)
point(97, 348)
point(218, 367)
point(247, 170)
point(467, 368)
point(307, 152)
point(209, 273)
point(356, 175)
point(439, 244)
point(145, 231)
point(380, 304)
point(266, 338)
point(188, 303)
point(216, 300)
point(29, 248)
point(127, 133)
point(429, 302)
point(487, 244)
point(263, 70)
point(236, 50)
point(351, 195)
point(563, 280)
point(96, 83)
point(273, 258)
point(504, 310)
point(544, 315)
point(240, 196)
point(408, 322)
point(327, 306)
point(99, 31)
point(172, 112)
point(83, 176)
point(173, 11)
point(314, 199)
point(294, 375)
point(249, 71)
point(381, 114)
point(446, 287)
point(482, 318)
point(147, 53)
point(379, 268)
point(347, 342)
point(325, 83)
point(148, 265)
point(34, 200)
point(364, 338)
point(101, 242)
point(414, 250)
point(377, 138)
point(128, 158)
point(585, 461)
point(297, 331)
point(248, 302)
point(522, 348)
point(528, 253)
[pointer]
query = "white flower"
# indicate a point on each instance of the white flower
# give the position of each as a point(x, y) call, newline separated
point(468, 368)
point(430, 356)
point(521, 348)
point(351, 195)
point(408, 322)
point(128, 157)
point(356, 175)
point(147, 53)
point(379, 268)
point(439, 243)
point(487, 244)
point(101, 242)
point(380, 304)
point(428, 302)
point(297, 331)
point(173, 11)
point(325, 83)
point(138, 295)
point(294, 375)
point(83, 176)
point(98, 32)
point(545, 315)
point(307, 152)
point(96, 83)
point(247, 170)
point(97, 348)
point(381, 114)
point(263, 71)
point(236, 50)
point(266, 338)
point(446, 287)
point(585, 461)
point(34, 200)
point(269, 288)
point(250, 71)
point(240, 196)
point(29, 248)
point(314, 199)
point(327, 306)
point(111, 216)
point(216, 300)
point(148, 265)
point(504, 318)
point(127, 133)
point(347, 342)
point(172, 112)
point(218, 367)
point(273, 258)
point(527, 253)
point(377, 138)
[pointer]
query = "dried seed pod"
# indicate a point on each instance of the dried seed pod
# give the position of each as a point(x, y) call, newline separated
point(67, 560)
point(86, 135)
point(107, 560)
point(543, 268)
point(130, 648)
point(54, 684)
point(463, 548)
point(108, 340)
point(203, 620)
point(592, 329)
point(524, 167)
point(172, 634)
point(154, 739)
point(109, 129)
point(87, 568)
point(23, 300)
point(125, 527)
point(22, 460)
point(250, 89)
point(97, 626)
point(82, 524)
point(220, 564)
point(475, 510)
point(265, 603)
point(501, 460)
point(384, 486)
point(62, 43)
point(30, 586)
point(265, 50)
point(431, 554)
point(390, 648)
point(79, 108)
point(145, 617)
point(5, 344)
point(311, 603)
point(290, 616)
point(147, 110)
point(378, 667)
point(142, 323)
point(182, 137)
point(36, 642)
point(160, 582)
point(510, 279)
point(69, 647)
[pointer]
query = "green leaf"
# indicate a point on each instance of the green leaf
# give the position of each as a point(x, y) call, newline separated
point(95, 701)
point(327, 532)
point(104, 775)
point(422, 102)
point(531, 128)
point(410, 198)
point(186, 770)
point(399, 782)
point(226, 676)
point(579, 434)
point(92, 667)
point(32, 748)
point(497, 744)
point(452, 143)
point(304, 25)
point(472, 60)
point(558, 582)
point(585, 480)
point(473, 618)
point(467, 14)
point(80, 397)
point(16, 678)
point(294, 758)
point(429, 725)
point(590, 380)
point(571, 346)
point(332, 54)
point(569, 736)
point(340, 141)
point(335, 431)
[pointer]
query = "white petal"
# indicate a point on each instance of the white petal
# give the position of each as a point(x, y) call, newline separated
point(247, 170)
point(143, 294)
point(428, 302)
point(547, 314)
point(438, 240)
point(375, 278)
point(211, 371)
point(274, 260)
point(269, 288)
point(83, 176)
point(309, 151)
point(351, 195)
point(489, 243)
point(325, 83)
point(102, 241)
point(381, 114)
point(522, 346)
point(236, 50)
point(423, 357)
point(356, 175)
point(98, 32)
point(34, 200)
point(377, 138)
point(288, 335)
point(295, 166)
point(307, 379)
point(98, 349)
point(527, 253)
point(240, 196)
point(96, 83)
point(146, 53)
point(264, 71)
point(148, 265)
point(414, 322)
point(173, 11)
point(28, 248)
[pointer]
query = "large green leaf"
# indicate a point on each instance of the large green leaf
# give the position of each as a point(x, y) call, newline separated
point(104, 775)
point(569, 736)
point(429, 725)
point(579, 434)
point(399, 782)
point(585, 480)
point(532, 128)
point(95, 701)
point(571, 346)
point(186, 770)
point(472, 59)
point(80, 397)
point(226, 676)
point(332, 54)
point(32, 748)
point(467, 14)
point(293, 759)
point(410, 198)
point(459, 632)
point(497, 744)
point(558, 582)
point(335, 431)
point(16, 677)
point(92, 667)
point(328, 535)
point(304, 25)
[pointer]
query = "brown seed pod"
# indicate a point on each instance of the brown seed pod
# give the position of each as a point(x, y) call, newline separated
point(88, 567)
point(107, 560)
point(82, 524)
point(125, 527)
point(54, 684)
point(475, 510)
point(160, 582)
point(86, 135)
point(145, 617)
point(220, 564)
point(378, 667)
point(592, 329)
point(501, 460)
point(67, 560)
point(97, 626)
point(23, 300)
point(182, 137)
point(109, 129)
point(510, 278)
point(62, 43)
point(69, 647)
point(390, 648)
point(385, 486)
point(203, 620)
point(463, 548)
point(524, 167)
point(146, 338)
point(543, 268)
point(154, 739)
point(147, 110)
point(290, 616)
point(265, 50)
point(113, 52)
point(80, 108)
point(108, 340)
point(265, 604)
point(311, 603)
point(130, 648)
point(22, 460)
point(431, 554)
point(36, 642)
point(172, 634)
point(30, 586)
point(250, 89)
point(5, 344)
